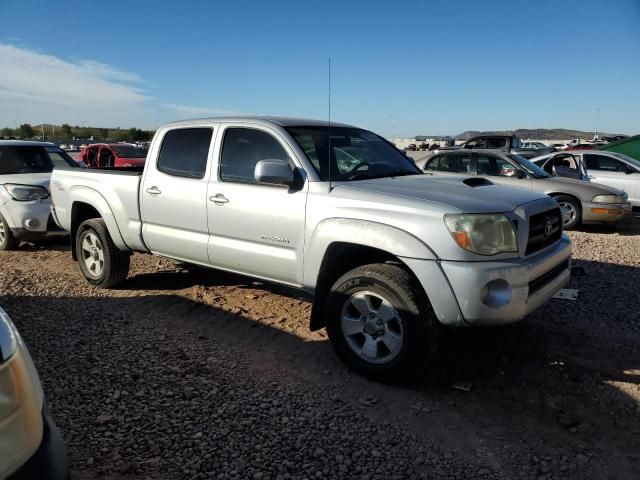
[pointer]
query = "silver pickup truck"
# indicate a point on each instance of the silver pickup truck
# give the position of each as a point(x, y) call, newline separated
point(390, 255)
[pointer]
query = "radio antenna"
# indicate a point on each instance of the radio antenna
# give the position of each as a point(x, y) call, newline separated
point(329, 133)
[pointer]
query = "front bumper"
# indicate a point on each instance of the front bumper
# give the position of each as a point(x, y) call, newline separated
point(604, 212)
point(50, 461)
point(493, 292)
point(30, 221)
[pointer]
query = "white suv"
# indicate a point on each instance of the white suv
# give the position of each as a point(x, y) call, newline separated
point(25, 171)
point(30, 444)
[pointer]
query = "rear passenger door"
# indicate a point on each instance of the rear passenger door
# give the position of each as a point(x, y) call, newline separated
point(173, 195)
point(255, 228)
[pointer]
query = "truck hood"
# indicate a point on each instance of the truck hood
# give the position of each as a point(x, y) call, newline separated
point(41, 179)
point(451, 192)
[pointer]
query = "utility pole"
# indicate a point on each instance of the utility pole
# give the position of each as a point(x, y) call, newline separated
point(597, 119)
point(393, 126)
point(42, 131)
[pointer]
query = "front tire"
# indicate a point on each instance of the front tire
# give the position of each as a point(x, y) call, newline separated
point(7, 240)
point(571, 210)
point(381, 323)
point(100, 261)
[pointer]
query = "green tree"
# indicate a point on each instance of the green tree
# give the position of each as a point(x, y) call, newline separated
point(104, 133)
point(120, 136)
point(7, 132)
point(25, 130)
point(132, 133)
point(66, 130)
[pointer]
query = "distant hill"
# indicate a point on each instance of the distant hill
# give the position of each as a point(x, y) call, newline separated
point(536, 133)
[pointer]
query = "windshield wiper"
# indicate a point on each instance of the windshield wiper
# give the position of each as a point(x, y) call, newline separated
point(397, 173)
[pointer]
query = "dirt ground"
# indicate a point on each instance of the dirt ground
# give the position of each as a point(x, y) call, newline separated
point(183, 374)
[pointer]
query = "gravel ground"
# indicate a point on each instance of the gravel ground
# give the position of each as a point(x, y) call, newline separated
point(210, 375)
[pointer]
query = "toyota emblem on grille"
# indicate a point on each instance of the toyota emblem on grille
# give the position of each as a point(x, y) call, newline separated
point(548, 227)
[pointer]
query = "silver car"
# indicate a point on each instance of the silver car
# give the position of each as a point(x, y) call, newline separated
point(607, 168)
point(580, 202)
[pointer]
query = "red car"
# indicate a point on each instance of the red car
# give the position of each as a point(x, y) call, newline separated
point(118, 155)
point(582, 146)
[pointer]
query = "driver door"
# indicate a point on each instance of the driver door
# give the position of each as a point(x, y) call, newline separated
point(255, 228)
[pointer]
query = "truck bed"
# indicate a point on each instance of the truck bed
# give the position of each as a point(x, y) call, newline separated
point(113, 191)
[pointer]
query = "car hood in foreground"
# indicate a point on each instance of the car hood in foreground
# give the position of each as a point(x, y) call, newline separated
point(450, 192)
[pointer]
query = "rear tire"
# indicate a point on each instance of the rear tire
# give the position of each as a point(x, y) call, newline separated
point(571, 210)
point(100, 261)
point(381, 324)
point(7, 240)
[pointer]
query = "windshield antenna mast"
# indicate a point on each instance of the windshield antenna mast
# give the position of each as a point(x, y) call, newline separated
point(329, 133)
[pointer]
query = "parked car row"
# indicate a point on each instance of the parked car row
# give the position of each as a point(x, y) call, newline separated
point(580, 202)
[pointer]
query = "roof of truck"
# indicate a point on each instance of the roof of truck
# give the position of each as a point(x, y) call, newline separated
point(264, 120)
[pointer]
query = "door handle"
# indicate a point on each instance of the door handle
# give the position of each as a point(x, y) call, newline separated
point(218, 199)
point(153, 191)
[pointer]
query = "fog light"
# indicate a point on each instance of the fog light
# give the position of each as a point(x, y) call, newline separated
point(32, 223)
point(496, 293)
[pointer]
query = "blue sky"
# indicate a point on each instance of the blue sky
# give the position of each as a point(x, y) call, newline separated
point(437, 67)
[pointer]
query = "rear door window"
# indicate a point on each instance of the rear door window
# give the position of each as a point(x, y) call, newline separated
point(184, 152)
point(603, 163)
point(495, 166)
point(456, 163)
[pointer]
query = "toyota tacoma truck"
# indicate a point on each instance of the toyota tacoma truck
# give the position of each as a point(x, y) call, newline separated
point(390, 255)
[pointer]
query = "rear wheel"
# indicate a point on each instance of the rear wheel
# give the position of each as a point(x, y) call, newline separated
point(571, 210)
point(381, 323)
point(100, 261)
point(7, 240)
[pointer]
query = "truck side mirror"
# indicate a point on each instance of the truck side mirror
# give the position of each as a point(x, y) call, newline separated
point(273, 172)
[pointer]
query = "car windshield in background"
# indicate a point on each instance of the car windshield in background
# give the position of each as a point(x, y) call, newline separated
point(25, 159)
point(351, 153)
point(130, 151)
point(530, 167)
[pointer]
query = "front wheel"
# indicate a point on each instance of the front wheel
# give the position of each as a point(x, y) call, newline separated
point(7, 240)
point(571, 210)
point(101, 262)
point(381, 323)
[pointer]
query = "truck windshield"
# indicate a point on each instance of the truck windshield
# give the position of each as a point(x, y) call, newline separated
point(531, 168)
point(351, 154)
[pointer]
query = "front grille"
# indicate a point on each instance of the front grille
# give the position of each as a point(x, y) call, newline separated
point(544, 229)
point(545, 278)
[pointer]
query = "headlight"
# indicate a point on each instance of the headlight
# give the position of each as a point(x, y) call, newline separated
point(21, 400)
point(610, 199)
point(483, 234)
point(26, 193)
point(8, 340)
